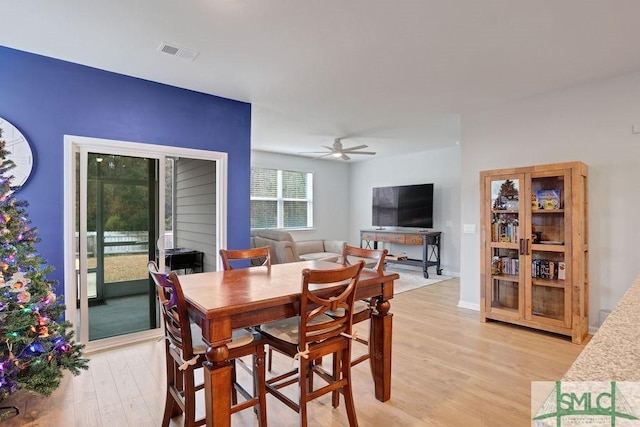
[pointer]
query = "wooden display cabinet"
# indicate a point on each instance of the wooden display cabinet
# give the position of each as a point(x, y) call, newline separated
point(535, 247)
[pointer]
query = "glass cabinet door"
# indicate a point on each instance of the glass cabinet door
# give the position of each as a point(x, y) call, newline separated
point(505, 209)
point(549, 298)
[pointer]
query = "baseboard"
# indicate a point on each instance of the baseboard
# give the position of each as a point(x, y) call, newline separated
point(469, 305)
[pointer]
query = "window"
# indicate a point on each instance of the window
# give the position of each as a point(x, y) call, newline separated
point(281, 199)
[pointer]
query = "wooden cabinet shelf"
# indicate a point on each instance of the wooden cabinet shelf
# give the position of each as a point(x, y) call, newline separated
point(547, 211)
point(535, 247)
point(550, 283)
point(506, 245)
point(547, 248)
point(507, 277)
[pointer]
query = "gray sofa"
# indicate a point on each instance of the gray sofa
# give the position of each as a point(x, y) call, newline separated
point(285, 249)
point(326, 250)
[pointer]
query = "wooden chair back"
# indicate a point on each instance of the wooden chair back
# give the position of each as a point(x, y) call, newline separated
point(378, 255)
point(258, 256)
point(174, 310)
point(324, 291)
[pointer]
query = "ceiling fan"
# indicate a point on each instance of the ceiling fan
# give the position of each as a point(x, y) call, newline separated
point(338, 151)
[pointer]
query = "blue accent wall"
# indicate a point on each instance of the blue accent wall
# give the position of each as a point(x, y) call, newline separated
point(47, 98)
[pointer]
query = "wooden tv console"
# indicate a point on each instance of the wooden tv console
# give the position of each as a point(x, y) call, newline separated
point(429, 240)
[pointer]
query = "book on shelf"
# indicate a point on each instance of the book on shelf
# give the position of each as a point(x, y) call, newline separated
point(505, 265)
point(561, 270)
point(504, 232)
point(548, 199)
point(547, 269)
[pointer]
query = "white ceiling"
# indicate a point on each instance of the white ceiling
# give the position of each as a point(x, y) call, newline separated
point(392, 74)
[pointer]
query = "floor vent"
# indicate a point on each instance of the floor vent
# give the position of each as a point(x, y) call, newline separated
point(180, 52)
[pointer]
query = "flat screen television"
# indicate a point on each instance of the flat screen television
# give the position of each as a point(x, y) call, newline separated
point(403, 206)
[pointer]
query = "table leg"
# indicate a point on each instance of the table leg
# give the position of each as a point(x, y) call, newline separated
point(217, 376)
point(381, 323)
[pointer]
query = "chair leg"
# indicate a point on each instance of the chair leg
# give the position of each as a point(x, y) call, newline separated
point(189, 398)
point(335, 394)
point(347, 390)
point(171, 407)
point(259, 385)
point(270, 358)
point(234, 392)
point(309, 375)
point(304, 374)
point(313, 363)
point(370, 347)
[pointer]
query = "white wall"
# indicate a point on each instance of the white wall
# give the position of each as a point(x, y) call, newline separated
point(590, 123)
point(440, 167)
point(342, 194)
point(330, 192)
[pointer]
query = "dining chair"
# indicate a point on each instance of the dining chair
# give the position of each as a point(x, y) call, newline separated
point(185, 352)
point(313, 334)
point(233, 258)
point(362, 310)
point(260, 256)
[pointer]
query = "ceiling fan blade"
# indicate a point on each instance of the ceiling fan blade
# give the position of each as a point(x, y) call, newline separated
point(357, 147)
point(339, 152)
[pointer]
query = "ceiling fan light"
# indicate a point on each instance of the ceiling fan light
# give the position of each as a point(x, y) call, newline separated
point(337, 154)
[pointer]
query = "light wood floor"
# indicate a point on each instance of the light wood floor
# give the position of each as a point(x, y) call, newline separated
point(449, 369)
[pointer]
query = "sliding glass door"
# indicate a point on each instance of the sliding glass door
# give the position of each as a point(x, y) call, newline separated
point(121, 229)
point(118, 222)
point(120, 197)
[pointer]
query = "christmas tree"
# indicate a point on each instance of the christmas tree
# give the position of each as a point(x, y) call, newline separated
point(35, 346)
point(508, 191)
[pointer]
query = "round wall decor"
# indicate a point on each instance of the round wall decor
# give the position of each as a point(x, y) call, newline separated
point(19, 152)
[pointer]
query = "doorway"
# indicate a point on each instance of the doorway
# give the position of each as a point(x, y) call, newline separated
point(122, 197)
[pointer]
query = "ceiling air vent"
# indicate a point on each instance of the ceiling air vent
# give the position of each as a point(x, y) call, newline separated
point(180, 52)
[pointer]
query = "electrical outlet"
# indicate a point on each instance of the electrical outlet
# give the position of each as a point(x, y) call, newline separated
point(635, 129)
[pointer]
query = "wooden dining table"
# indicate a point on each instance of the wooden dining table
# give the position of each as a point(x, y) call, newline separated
point(222, 301)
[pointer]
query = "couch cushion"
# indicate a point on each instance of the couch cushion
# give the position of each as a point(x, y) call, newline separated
point(335, 246)
point(323, 256)
point(309, 246)
point(281, 252)
point(259, 241)
point(286, 252)
point(280, 242)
